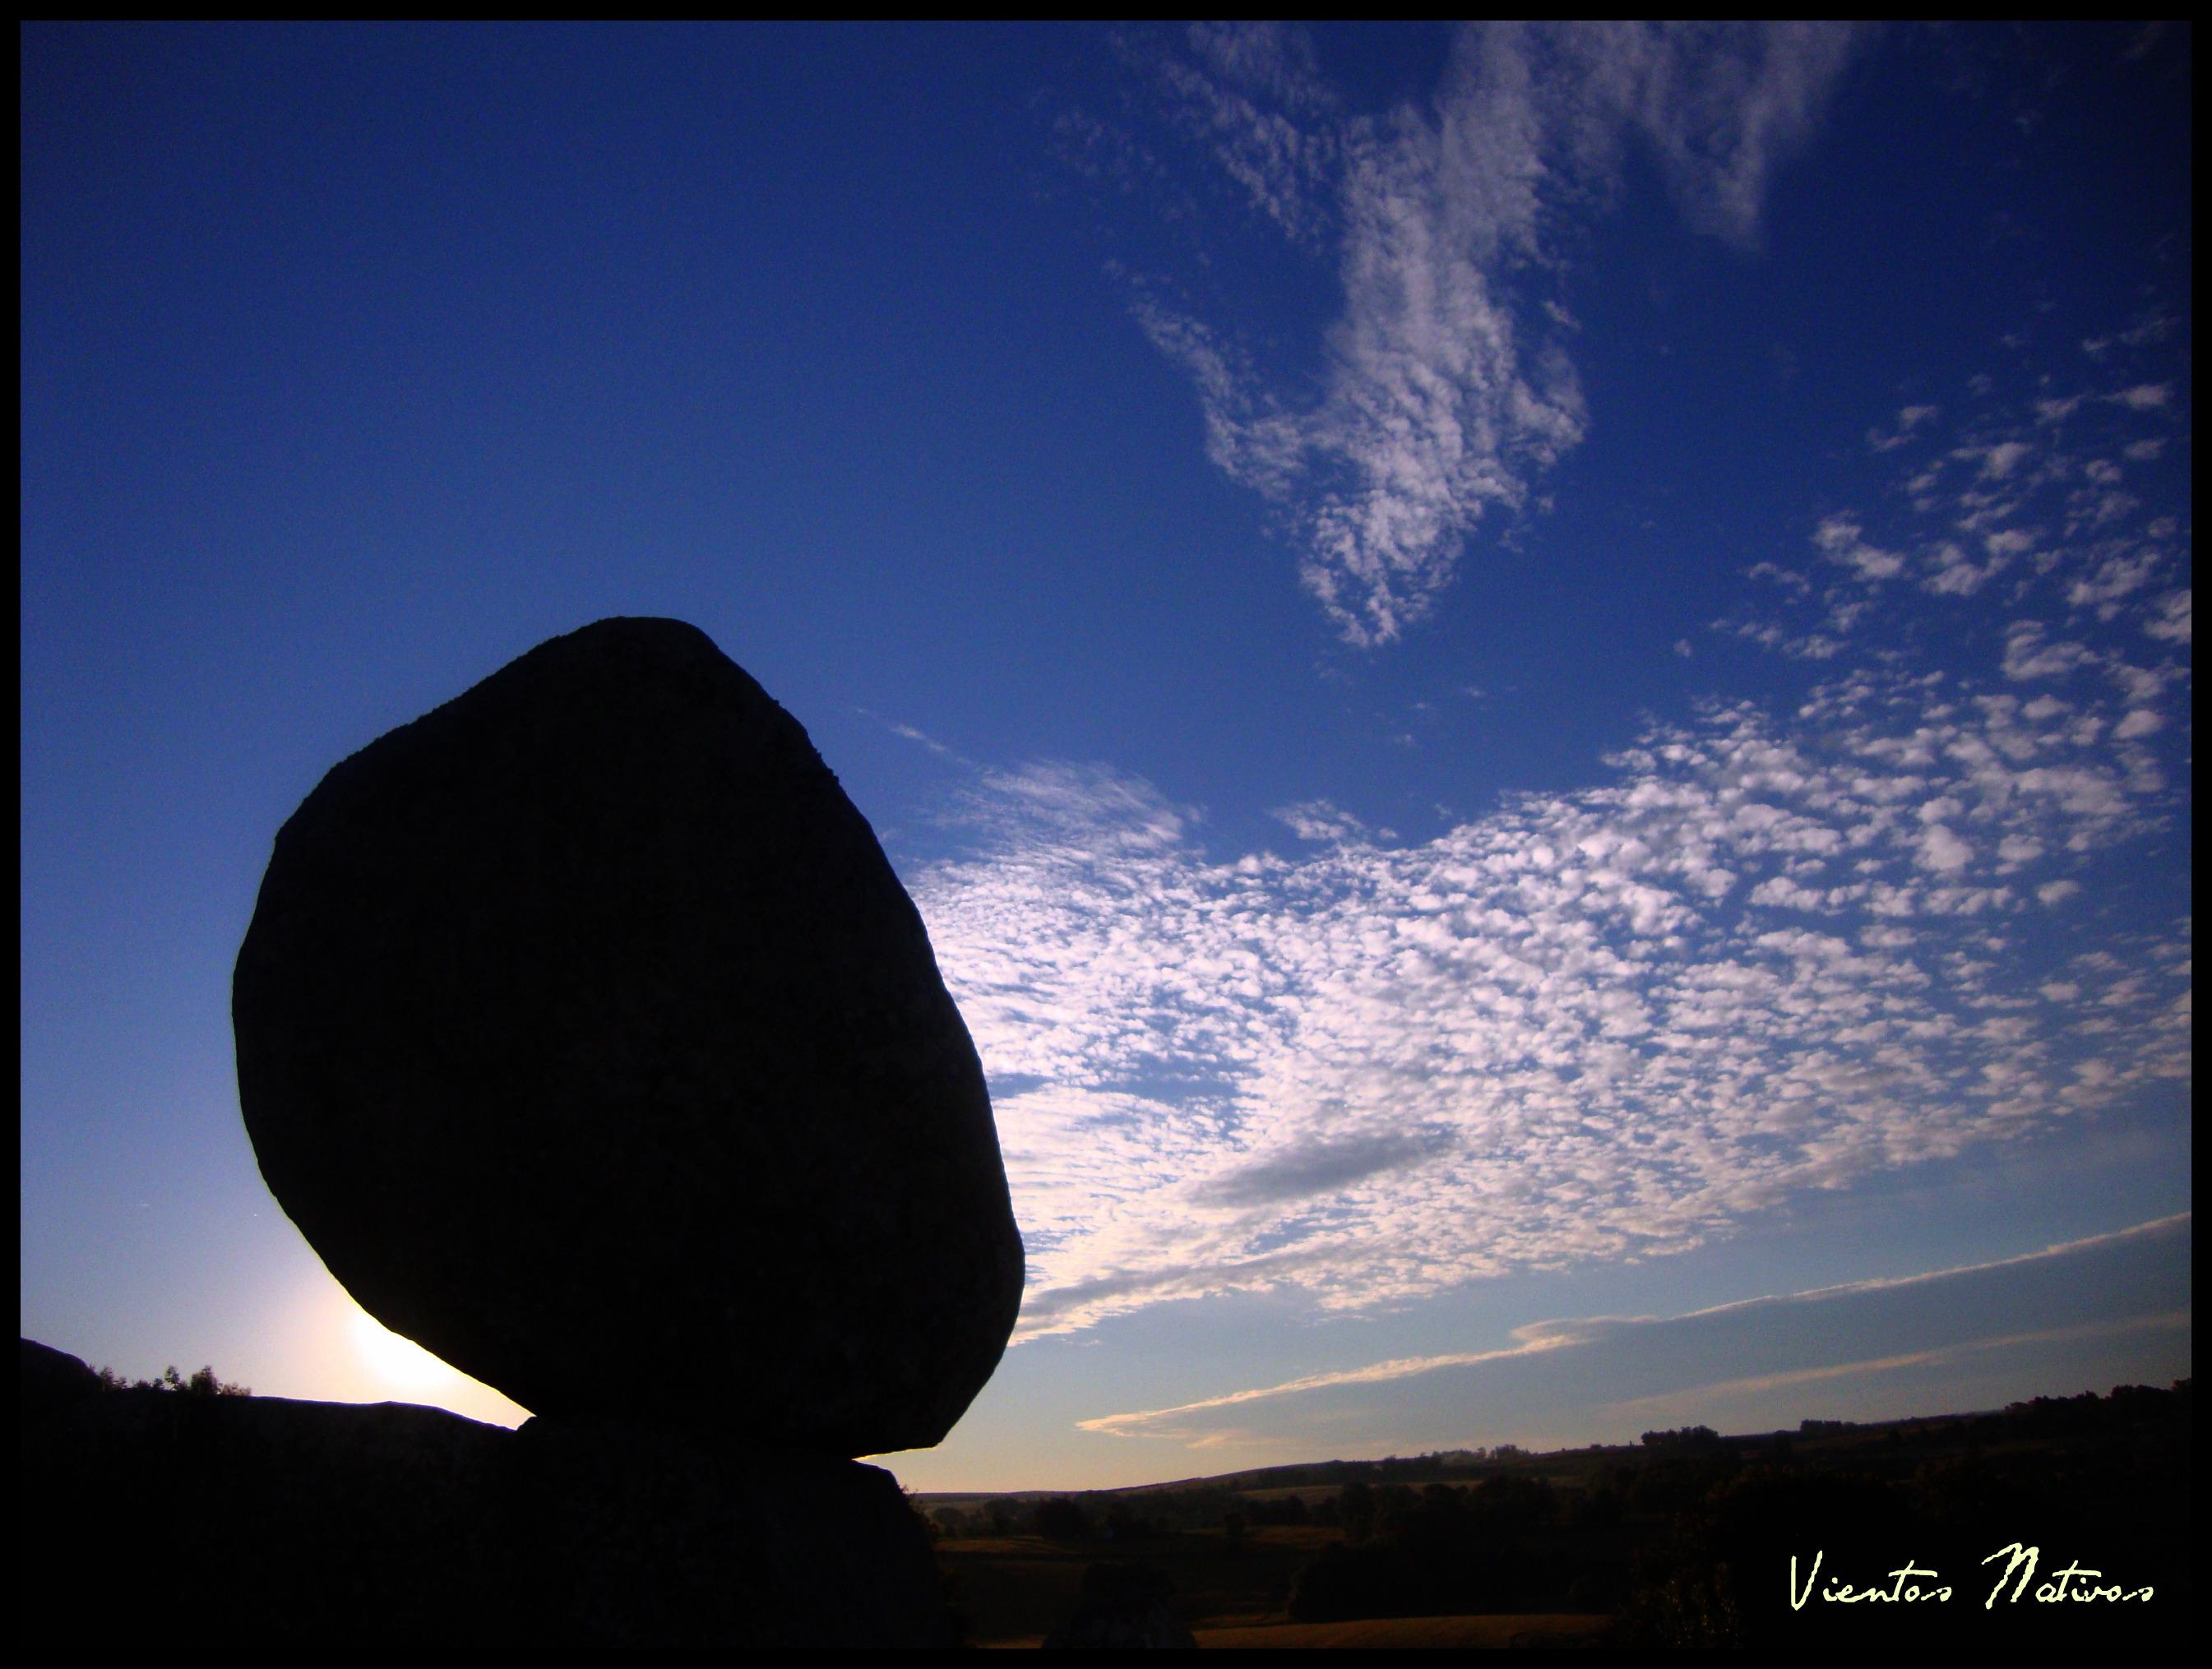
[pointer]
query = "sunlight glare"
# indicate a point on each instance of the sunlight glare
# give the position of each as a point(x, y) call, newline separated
point(399, 1363)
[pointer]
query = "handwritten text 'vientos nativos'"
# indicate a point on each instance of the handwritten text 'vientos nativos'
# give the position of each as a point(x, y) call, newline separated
point(2075, 1581)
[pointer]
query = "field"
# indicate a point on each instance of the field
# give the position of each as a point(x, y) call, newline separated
point(1015, 1590)
point(1487, 1632)
point(1686, 1538)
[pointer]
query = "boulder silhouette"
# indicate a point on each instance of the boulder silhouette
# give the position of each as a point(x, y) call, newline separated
point(584, 1031)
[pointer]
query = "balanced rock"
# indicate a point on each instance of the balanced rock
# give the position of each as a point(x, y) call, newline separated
point(584, 1031)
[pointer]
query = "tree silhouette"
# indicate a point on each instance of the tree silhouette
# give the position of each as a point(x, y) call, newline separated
point(1062, 1520)
point(201, 1383)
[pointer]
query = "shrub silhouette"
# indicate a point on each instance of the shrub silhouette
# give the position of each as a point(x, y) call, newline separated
point(1123, 1605)
point(1062, 1520)
point(202, 1383)
point(1442, 1551)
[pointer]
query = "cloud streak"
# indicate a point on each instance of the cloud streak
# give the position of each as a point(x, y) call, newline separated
point(1531, 1340)
point(1671, 1402)
point(1635, 1334)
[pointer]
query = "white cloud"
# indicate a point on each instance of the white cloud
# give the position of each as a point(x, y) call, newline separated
point(1703, 1398)
point(1246, 438)
point(1724, 105)
point(1953, 573)
point(2082, 556)
point(1532, 1339)
point(1838, 538)
point(2143, 397)
point(1812, 645)
point(2029, 654)
point(1245, 100)
point(1763, 955)
point(2171, 622)
point(1755, 961)
point(2115, 576)
point(1909, 418)
point(1638, 1334)
point(1943, 851)
point(1320, 821)
point(1787, 578)
point(1444, 390)
point(2142, 721)
point(1784, 892)
point(1091, 810)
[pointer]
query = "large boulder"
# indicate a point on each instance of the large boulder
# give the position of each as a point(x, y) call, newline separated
point(586, 1034)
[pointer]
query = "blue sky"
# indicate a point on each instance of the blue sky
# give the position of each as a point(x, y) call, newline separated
point(1536, 682)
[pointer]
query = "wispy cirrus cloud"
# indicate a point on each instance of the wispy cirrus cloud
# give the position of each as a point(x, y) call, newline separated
point(1530, 1340)
point(1806, 1336)
point(1909, 418)
point(1699, 1398)
point(1446, 386)
point(1251, 93)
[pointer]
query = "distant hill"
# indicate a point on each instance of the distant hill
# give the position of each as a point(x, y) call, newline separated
point(1834, 1439)
point(1831, 1534)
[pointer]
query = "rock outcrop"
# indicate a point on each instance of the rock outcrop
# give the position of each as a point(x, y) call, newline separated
point(584, 1031)
point(161, 1520)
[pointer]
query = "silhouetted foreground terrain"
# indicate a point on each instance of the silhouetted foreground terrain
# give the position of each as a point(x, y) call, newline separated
point(159, 1518)
point(182, 1512)
point(1684, 1540)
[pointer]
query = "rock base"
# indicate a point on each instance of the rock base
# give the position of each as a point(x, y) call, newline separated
point(163, 1519)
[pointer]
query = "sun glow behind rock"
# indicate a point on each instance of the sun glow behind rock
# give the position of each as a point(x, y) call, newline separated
point(345, 1355)
point(399, 1364)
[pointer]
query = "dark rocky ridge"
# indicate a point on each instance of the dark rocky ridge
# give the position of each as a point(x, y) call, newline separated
point(161, 1519)
point(586, 1034)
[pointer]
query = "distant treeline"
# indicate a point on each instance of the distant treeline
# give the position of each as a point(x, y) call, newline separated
point(1108, 1514)
point(1444, 1464)
point(1688, 1538)
point(202, 1383)
point(1090, 1518)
